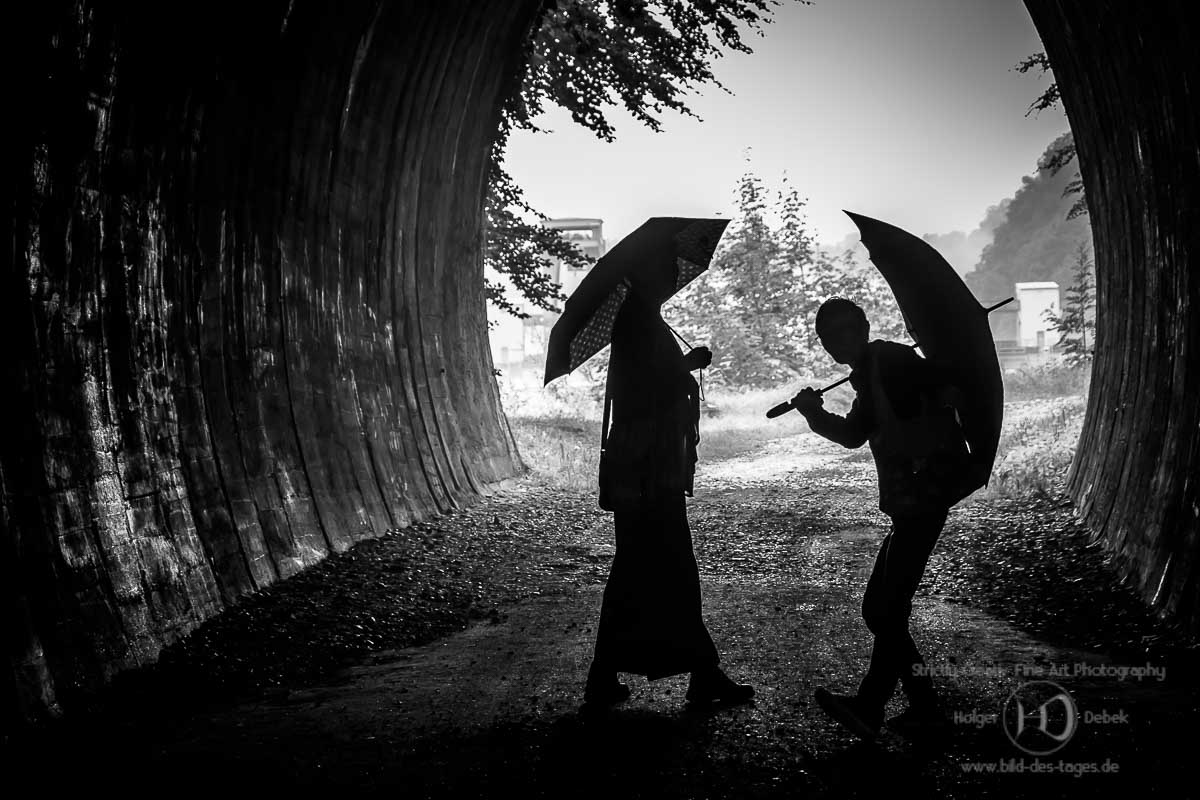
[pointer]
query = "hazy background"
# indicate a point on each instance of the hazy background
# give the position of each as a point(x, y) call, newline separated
point(904, 110)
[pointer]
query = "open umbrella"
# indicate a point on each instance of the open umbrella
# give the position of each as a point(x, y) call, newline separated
point(950, 327)
point(680, 246)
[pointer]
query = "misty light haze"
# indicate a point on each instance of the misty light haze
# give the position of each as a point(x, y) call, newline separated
point(909, 111)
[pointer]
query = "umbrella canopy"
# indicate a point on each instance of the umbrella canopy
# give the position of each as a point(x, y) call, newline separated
point(664, 251)
point(951, 328)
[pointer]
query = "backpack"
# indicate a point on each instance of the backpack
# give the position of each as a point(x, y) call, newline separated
point(922, 461)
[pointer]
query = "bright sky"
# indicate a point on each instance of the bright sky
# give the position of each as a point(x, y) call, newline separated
point(904, 110)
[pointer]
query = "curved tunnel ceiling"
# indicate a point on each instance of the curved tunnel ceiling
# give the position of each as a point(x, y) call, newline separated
point(244, 310)
point(1129, 74)
point(246, 293)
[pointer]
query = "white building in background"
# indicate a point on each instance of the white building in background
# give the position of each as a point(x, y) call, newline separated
point(1022, 334)
point(521, 343)
point(1034, 300)
point(586, 234)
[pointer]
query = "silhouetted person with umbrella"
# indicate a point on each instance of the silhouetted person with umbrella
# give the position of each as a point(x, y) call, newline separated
point(934, 425)
point(650, 620)
point(905, 408)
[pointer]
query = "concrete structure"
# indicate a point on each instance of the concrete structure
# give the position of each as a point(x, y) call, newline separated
point(1022, 334)
point(1006, 325)
point(520, 344)
point(585, 233)
point(1036, 299)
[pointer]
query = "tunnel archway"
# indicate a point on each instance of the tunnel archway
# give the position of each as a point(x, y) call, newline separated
point(244, 292)
point(244, 302)
point(1129, 74)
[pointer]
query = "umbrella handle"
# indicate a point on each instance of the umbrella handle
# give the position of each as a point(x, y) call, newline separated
point(787, 406)
point(780, 409)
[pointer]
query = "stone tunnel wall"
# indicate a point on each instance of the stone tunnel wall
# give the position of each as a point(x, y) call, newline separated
point(1130, 80)
point(242, 305)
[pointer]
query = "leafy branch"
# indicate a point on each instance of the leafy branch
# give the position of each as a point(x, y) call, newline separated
point(588, 56)
point(1057, 160)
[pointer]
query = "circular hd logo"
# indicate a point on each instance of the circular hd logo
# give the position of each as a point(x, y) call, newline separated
point(1040, 717)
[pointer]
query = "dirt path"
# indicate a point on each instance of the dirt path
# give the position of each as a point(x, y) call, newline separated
point(785, 538)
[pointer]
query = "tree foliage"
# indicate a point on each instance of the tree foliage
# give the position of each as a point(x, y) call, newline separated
point(1036, 240)
point(642, 54)
point(588, 56)
point(1065, 152)
point(1077, 324)
point(1051, 97)
point(745, 304)
point(519, 249)
point(756, 304)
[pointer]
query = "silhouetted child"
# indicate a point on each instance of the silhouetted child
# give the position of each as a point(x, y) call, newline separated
point(904, 408)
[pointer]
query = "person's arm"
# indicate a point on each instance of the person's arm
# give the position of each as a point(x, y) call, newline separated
point(851, 431)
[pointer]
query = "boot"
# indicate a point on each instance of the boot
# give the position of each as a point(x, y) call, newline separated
point(603, 688)
point(855, 715)
point(714, 686)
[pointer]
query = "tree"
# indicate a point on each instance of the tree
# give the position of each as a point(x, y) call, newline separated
point(1037, 237)
point(1063, 152)
point(1076, 325)
point(756, 304)
point(761, 285)
point(586, 55)
point(745, 305)
point(519, 249)
point(810, 271)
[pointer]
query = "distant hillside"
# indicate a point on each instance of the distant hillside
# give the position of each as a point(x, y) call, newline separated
point(1035, 241)
point(1026, 237)
point(962, 250)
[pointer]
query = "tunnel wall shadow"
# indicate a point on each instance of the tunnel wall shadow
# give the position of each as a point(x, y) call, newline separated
point(243, 305)
point(1129, 74)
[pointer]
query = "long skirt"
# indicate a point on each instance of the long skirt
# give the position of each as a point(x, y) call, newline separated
point(650, 620)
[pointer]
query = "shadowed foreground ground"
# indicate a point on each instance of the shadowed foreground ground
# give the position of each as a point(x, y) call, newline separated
point(314, 683)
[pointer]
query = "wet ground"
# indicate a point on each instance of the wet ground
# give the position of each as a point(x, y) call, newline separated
point(447, 660)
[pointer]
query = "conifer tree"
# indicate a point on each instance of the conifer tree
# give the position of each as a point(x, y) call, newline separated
point(1076, 324)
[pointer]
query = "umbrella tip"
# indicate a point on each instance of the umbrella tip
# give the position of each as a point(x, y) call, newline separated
point(858, 219)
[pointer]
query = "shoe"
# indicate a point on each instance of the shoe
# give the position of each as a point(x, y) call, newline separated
point(717, 687)
point(921, 722)
point(606, 694)
point(852, 713)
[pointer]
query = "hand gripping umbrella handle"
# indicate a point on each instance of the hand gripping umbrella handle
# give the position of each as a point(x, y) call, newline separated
point(786, 406)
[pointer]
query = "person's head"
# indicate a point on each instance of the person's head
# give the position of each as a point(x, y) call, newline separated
point(843, 330)
point(654, 284)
